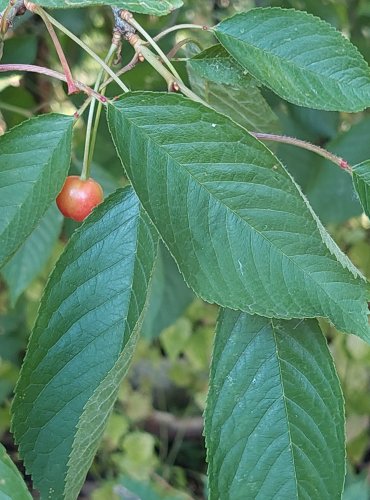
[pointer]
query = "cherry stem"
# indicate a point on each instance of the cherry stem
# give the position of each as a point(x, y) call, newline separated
point(72, 89)
point(172, 82)
point(88, 141)
point(16, 109)
point(129, 66)
point(30, 68)
point(179, 46)
point(305, 145)
point(181, 27)
point(127, 16)
point(88, 50)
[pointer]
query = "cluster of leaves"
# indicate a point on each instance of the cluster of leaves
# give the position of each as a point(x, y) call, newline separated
point(243, 236)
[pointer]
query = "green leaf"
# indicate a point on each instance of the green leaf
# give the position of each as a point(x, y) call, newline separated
point(12, 486)
point(31, 257)
point(328, 188)
point(361, 182)
point(331, 190)
point(168, 298)
point(300, 57)
point(34, 161)
point(216, 65)
point(235, 94)
point(20, 50)
point(81, 344)
point(234, 220)
point(152, 7)
point(277, 381)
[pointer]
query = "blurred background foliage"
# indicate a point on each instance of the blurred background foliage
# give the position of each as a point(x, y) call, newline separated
point(153, 447)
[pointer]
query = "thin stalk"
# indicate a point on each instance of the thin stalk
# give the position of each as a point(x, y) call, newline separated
point(305, 145)
point(4, 22)
point(87, 152)
point(172, 83)
point(179, 46)
point(89, 51)
point(80, 111)
point(155, 46)
point(129, 66)
point(31, 68)
point(95, 131)
point(15, 109)
point(66, 69)
point(180, 27)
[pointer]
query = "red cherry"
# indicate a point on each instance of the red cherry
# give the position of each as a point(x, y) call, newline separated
point(78, 197)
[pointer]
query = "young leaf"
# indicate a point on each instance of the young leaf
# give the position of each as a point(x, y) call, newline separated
point(34, 161)
point(277, 380)
point(152, 7)
point(241, 232)
point(81, 344)
point(12, 486)
point(300, 57)
point(361, 181)
point(31, 257)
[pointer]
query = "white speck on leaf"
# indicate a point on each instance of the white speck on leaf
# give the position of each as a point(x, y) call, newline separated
point(241, 267)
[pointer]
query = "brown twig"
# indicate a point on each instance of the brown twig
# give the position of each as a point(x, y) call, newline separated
point(72, 88)
point(54, 74)
point(129, 66)
point(190, 428)
point(343, 164)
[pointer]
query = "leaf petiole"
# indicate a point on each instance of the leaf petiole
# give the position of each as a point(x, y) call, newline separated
point(343, 164)
point(88, 50)
point(128, 17)
point(181, 27)
point(31, 68)
point(91, 137)
point(71, 85)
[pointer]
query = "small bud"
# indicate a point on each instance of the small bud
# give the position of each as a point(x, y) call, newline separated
point(126, 15)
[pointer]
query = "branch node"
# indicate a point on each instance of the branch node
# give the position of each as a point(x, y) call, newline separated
point(121, 24)
point(30, 6)
point(126, 15)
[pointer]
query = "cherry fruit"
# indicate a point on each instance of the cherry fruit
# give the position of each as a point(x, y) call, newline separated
point(78, 197)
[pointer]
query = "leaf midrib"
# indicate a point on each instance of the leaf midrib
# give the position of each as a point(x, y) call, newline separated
point(293, 66)
point(233, 212)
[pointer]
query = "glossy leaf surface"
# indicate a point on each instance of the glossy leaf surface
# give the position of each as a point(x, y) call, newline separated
point(274, 422)
point(300, 57)
point(240, 230)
